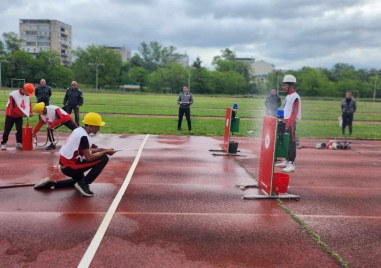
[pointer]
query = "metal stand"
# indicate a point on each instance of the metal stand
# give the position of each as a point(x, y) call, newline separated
point(281, 196)
point(265, 196)
point(245, 186)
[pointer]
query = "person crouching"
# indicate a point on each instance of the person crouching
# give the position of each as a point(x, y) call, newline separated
point(77, 157)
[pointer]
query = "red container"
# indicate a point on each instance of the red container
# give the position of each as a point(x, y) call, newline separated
point(280, 183)
point(27, 138)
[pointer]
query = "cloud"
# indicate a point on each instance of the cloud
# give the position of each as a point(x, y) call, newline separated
point(289, 34)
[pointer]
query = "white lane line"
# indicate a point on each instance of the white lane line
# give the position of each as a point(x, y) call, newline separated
point(97, 239)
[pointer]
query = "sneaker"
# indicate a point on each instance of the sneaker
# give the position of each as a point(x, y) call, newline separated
point(45, 183)
point(18, 146)
point(290, 168)
point(282, 164)
point(3, 146)
point(51, 147)
point(83, 188)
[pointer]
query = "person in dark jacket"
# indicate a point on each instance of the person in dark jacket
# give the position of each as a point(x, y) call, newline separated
point(43, 92)
point(73, 99)
point(185, 100)
point(348, 108)
point(273, 102)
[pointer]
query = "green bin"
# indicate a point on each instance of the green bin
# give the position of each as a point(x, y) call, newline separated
point(281, 146)
point(234, 127)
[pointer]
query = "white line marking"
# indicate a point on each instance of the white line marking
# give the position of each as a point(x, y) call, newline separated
point(97, 239)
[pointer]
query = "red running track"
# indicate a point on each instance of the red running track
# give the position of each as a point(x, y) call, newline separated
point(181, 208)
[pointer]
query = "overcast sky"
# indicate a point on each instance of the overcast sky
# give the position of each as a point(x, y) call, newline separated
point(289, 34)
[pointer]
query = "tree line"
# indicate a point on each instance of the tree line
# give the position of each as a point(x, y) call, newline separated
point(157, 68)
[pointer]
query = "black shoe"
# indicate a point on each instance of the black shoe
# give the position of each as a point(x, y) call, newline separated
point(45, 183)
point(83, 188)
point(94, 146)
point(51, 147)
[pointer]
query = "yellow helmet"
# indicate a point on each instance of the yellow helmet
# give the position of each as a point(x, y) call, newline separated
point(39, 107)
point(93, 119)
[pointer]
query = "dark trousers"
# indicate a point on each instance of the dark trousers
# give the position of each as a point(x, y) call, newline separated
point(8, 125)
point(78, 174)
point(69, 124)
point(292, 146)
point(347, 121)
point(76, 113)
point(185, 111)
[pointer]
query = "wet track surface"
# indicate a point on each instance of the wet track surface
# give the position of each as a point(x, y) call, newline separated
point(181, 208)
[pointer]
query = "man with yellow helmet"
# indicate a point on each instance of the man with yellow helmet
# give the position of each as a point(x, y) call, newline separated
point(77, 157)
point(18, 106)
point(53, 116)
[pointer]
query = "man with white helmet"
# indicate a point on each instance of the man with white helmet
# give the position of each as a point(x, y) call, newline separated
point(292, 112)
point(53, 116)
point(77, 157)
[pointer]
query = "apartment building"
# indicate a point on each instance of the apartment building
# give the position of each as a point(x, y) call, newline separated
point(42, 35)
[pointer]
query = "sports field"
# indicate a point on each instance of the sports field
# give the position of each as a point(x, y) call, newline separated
point(156, 114)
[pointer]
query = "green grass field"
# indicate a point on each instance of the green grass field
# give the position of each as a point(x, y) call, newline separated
point(320, 117)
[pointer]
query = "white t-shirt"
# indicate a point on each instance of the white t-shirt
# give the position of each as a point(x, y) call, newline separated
point(289, 103)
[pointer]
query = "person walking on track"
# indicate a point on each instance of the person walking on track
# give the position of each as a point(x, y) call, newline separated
point(185, 100)
point(77, 157)
point(348, 108)
point(53, 116)
point(43, 92)
point(72, 100)
point(273, 102)
point(292, 112)
point(18, 106)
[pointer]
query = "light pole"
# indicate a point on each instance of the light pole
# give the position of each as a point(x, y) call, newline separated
point(375, 87)
point(96, 72)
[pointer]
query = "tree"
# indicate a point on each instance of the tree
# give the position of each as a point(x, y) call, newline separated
point(136, 75)
point(19, 65)
point(199, 77)
point(108, 75)
point(168, 78)
point(12, 42)
point(2, 49)
point(227, 62)
point(197, 63)
point(153, 55)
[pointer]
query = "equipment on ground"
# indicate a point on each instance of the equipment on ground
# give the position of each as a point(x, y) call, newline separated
point(273, 185)
point(27, 137)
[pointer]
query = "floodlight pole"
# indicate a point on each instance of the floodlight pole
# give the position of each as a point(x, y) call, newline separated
point(96, 72)
point(375, 87)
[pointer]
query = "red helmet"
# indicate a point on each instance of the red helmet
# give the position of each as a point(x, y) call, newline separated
point(29, 88)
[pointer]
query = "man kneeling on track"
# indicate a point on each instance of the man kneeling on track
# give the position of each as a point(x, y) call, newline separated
point(54, 117)
point(77, 157)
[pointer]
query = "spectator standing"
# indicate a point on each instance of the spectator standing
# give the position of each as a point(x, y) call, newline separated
point(73, 99)
point(273, 102)
point(348, 108)
point(43, 92)
point(185, 100)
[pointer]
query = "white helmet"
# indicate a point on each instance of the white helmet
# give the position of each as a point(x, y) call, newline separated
point(288, 78)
